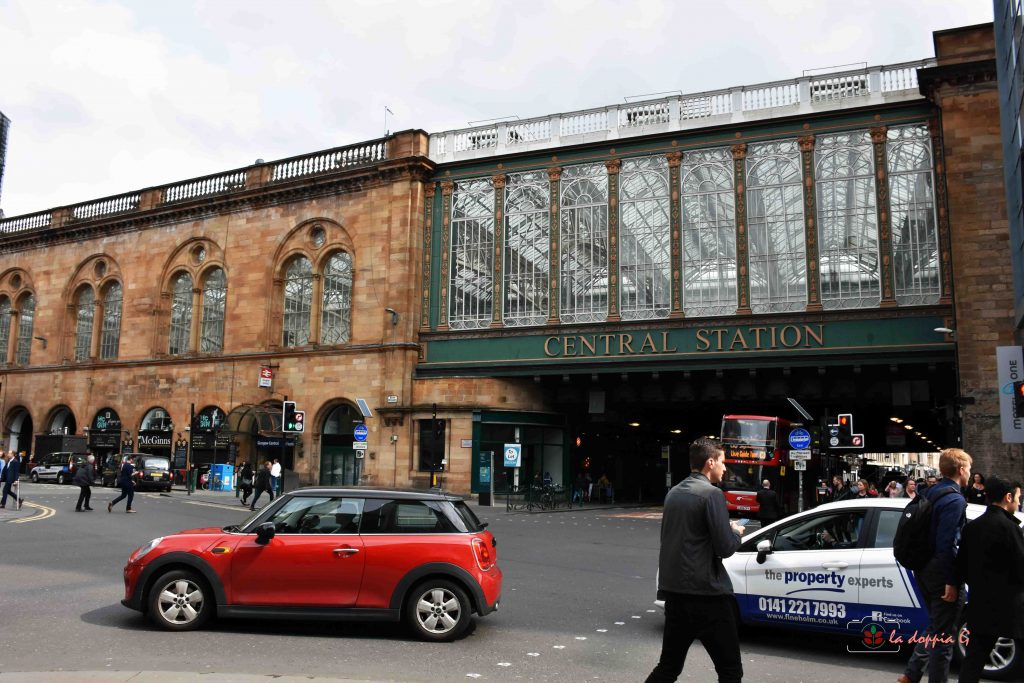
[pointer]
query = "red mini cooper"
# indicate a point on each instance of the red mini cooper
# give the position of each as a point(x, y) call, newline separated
point(326, 553)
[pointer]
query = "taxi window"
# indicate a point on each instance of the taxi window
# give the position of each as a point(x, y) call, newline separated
point(888, 520)
point(825, 532)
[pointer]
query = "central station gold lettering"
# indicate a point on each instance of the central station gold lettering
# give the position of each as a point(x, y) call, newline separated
point(708, 339)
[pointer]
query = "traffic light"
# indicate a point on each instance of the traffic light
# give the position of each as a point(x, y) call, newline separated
point(1018, 399)
point(840, 434)
point(293, 420)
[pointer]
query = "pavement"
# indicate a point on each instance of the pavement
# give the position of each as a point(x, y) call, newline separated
point(161, 677)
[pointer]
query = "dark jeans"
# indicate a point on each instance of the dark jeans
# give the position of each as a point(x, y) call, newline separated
point(8, 492)
point(246, 492)
point(978, 649)
point(83, 497)
point(126, 492)
point(257, 496)
point(942, 618)
point(712, 619)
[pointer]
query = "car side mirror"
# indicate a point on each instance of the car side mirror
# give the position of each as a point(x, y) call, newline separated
point(265, 532)
point(764, 549)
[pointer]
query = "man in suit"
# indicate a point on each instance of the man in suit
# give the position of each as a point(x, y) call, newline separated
point(11, 474)
point(769, 509)
point(126, 482)
point(991, 561)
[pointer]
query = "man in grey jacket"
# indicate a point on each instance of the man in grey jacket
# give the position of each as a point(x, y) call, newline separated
point(696, 534)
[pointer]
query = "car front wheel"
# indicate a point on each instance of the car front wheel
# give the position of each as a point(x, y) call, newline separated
point(35, 478)
point(438, 610)
point(179, 601)
point(60, 478)
point(1004, 662)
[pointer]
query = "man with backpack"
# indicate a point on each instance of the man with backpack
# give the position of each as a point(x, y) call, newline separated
point(926, 542)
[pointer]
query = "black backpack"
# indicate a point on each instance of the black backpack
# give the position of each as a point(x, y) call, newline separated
point(912, 545)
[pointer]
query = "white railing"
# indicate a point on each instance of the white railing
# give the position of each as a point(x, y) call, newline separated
point(330, 160)
point(106, 207)
point(26, 222)
point(805, 95)
point(204, 187)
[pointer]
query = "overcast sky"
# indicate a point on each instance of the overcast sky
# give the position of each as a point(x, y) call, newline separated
point(108, 97)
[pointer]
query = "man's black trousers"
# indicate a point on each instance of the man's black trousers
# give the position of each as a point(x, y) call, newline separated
point(713, 620)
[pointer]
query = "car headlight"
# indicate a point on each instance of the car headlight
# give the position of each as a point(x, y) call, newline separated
point(144, 550)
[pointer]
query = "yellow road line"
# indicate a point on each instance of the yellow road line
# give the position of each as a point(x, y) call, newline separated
point(45, 513)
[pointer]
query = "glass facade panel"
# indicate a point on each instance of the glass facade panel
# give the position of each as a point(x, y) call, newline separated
point(5, 327)
point(336, 313)
point(915, 240)
point(85, 311)
point(181, 314)
point(584, 244)
point(645, 277)
point(110, 337)
point(709, 233)
point(26, 318)
point(298, 302)
point(847, 221)
point(472, 257)
point(527, 248)
point(215, 293)
point(775, 217)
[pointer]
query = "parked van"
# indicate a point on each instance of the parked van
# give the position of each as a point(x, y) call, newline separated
point(54, 467)
point(155, 471)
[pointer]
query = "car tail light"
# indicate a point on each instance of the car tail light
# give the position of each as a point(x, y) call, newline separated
point(484, 556)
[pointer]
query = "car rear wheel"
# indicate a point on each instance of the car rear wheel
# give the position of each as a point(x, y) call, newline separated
point(438, 610)
point(179, 601)
point(60, 478)
point(35, 478)
point(1004, 662)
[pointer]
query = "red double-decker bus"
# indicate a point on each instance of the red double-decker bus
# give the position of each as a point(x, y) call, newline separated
point(756, 448)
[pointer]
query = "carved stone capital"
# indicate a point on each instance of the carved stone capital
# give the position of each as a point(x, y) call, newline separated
point(739, 151)
point(806, 143)
point(447, 187)
point(879, 135)
point(674, 159)
point(498, 180)
point(429, 190)
point(555, 174)
point(613, 166)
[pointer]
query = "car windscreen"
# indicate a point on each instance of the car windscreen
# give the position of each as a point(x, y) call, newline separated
point(159, 464)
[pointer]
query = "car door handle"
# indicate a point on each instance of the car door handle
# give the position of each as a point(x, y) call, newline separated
point(835, 565)
point(345, 552)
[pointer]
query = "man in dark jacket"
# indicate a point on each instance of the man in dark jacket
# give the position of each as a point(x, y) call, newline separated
point(262, 483)
point(943, 594)
point(11, 474)
point(769, 509)
point(696, 535)
point(126, 481)
point(245, 482)
point(991, 561)
point(83, 479)
point(840, 491)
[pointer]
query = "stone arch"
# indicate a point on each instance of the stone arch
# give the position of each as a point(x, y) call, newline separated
point(335, 461)
point(60, 420)
point(19, 429)
point(185, 258)
point(97, 271)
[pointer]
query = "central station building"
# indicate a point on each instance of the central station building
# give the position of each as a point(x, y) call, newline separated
point(594, 285)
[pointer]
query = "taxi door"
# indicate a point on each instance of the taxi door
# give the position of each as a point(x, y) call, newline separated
point(811, 578)
point(888, 593)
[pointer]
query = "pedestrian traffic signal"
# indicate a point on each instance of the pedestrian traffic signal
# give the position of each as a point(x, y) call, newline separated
point(292, 420)
point(1018, 399)
point(840, 434)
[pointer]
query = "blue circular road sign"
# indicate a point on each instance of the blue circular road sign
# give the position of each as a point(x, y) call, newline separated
point(360, 432)
point(799, 439)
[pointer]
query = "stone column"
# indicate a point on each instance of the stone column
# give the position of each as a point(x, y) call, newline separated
point(197, 320)
point(675, 159)
point(739, 163)
point(426, 300)
point(498, 181)
point(613, 166)
point(12, 338)
point(882, 208)
point(554, 230)
point(939, 167)
point(316, 308)
point(810, 225)
point(447, 188)
point(97, 327)
point(276, 332)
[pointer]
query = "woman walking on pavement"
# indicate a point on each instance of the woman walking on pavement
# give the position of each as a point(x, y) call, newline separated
point(84, 477)
point(245, 482)
point(262, 484)
point(125, 481)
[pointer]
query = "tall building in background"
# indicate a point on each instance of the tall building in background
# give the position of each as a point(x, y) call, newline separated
point(5, 124)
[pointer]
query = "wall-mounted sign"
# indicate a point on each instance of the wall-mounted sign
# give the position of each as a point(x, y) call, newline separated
point(467, 443)
point(392, 398)
point(513, 455)
point(360, 433)
point(266, 378)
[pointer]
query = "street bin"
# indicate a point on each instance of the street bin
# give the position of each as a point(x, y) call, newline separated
point(222, 477)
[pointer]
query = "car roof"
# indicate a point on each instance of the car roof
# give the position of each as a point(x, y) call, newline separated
point(399, 494)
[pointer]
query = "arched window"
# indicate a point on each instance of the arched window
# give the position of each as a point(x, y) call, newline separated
point(915, 241)
point(84, 312)
point(527, 244)
point(26, 317)
point(181, 314)
point(5, 327)
point(775, 215)
point(709, 233)
point(584, 244)
point(645, 278)
point(215, 291)
point(336, 306)
point(472, 269)
point(110, 338)
point(298, 301)
point(847, 221)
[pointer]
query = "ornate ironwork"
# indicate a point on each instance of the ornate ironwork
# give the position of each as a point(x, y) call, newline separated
point(527, 252)
point(181, 314)
point(298, 302)
point(472, 255)
point(215, 292)
point(915, 241)
point(584, 244)
point(878, 140)
point(110, 337)
point(739, 169)
point(85, 313)
point(709, 227)
point(336, 300)
point(645, 274)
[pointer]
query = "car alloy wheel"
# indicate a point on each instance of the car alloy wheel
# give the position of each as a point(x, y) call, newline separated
point(35, 478)
point(178, 601)
point(439, 610)
point(60, 478)
point(1002, 662)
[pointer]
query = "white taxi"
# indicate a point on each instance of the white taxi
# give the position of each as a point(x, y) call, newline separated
point(831, 570)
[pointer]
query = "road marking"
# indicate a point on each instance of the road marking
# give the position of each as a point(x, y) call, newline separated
point(45, 513)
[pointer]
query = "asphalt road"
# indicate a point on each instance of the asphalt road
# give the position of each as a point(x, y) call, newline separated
point(577, 606)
